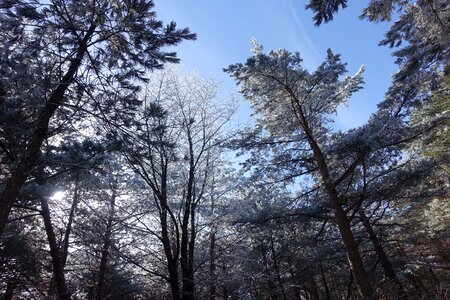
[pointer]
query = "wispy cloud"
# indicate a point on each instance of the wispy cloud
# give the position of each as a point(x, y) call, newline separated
point(306, 43)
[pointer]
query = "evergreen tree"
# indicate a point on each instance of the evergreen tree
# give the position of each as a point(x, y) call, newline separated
point(294, 104)
point(85, 54)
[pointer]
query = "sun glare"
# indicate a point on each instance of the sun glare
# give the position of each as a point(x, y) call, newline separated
point(59, 195)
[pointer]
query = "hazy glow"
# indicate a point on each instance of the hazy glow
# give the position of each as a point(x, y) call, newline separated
point(59, 195)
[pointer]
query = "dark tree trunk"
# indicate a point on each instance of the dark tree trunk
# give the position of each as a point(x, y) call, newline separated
point(27, 162)
point(296, 286)
point(73, 209)
point(342, 220)
point(297, 292)
point(350, 244)
point(101, 277)
point(325, 283)
point(270, 283)
point(277, 268)
point(188, 232)
point(386, 264)
point(58, 269)
point(171, 258)
point(173, 279)
point(188, 277)
point(314, 291)
point(349, 287)
point(225, 287)
point(186, 270)
point(212, 253)
point(212, 265)
point(65, 247)
point(166, 216)
point(10, 288)
point(351, 247)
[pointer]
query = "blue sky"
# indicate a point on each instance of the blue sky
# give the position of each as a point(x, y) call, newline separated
point(225, 28)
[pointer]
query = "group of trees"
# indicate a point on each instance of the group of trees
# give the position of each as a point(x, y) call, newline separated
point(119, 180)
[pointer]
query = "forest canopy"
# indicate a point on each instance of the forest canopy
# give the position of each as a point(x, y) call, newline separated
point(124, 176)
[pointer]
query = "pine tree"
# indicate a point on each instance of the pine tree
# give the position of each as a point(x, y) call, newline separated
point(295, 105)
point(81, 50)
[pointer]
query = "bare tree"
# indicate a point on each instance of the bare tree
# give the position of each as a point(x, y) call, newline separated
point(174, 149)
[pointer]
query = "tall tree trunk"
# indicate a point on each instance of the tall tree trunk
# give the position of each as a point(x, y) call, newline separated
point(171, 258)
point(277, 269)
point(10, 288)
point(225, 286)
point(187, 280)
point(212, 264)
point(189, 287)
point(297, 292)
point(65, 247)
point(28, 160)
point(297, 283)
point(350, 244)
point(314, 291)
point(187, 242)
point(349, 287)
point(73, 208)
point(351, 247)
point(173, 278)
point(58, 269)
point(101, 276)
point(270, 284)
point(342, 220)
point(212, 249)
point(325, 283)
point(386, 264)
point(165, 217)
point(187, 255)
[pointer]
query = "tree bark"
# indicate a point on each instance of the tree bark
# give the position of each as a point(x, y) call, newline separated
point(314, 291)
point(212, 264)
point(325, 283)
point(349, 287)
point(10, 288)
point(73, 208)
point(65, 247)
point(28, 160)
point(277, 268)
point(270, 284)
point(101, 277)
point(351, 247)
point(58, 269)
point(342, 220)
point(188, 240)
point(171, 252)
point(171, 258)
point(386, 264)
point(350, 244)
point(188, 279)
